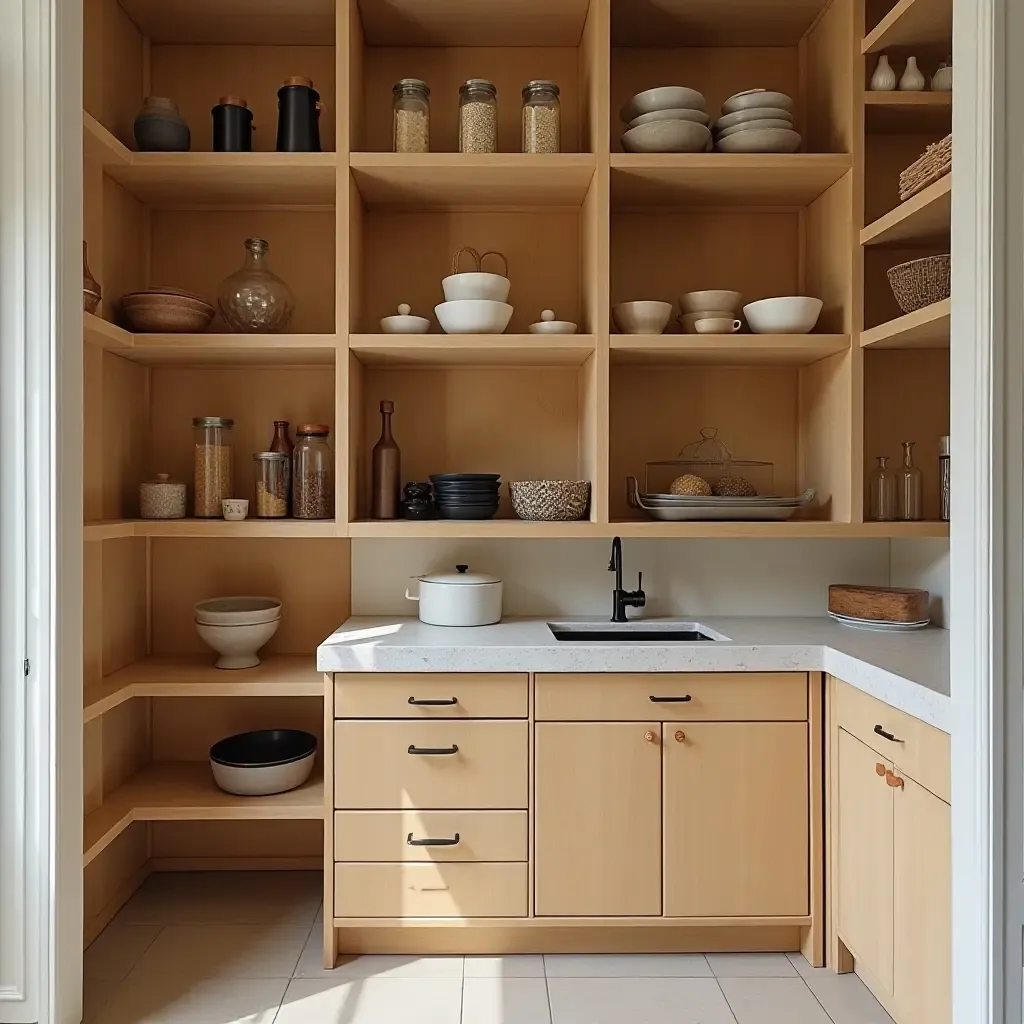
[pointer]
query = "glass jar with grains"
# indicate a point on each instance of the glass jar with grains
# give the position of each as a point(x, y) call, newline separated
point(214, 464)
point(411, 119)
point(272, 472)
point(542, 116)
point(478, 117)
point(312, 473)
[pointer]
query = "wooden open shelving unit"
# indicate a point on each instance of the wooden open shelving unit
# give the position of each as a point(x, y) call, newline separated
point(356, 230)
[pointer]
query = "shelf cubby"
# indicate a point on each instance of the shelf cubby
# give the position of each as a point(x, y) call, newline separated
point(911, 23)
point(925, 328)
point(919, 220)
point(908, 111)
point(450, 350)
point(736, 350)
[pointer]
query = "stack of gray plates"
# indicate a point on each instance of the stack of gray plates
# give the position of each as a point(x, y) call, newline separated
point(756, 121)
point(669, 119)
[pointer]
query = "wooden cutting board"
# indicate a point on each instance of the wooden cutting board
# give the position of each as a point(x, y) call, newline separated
point(883, 604)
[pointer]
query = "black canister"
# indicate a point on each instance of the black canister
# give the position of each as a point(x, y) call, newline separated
point(298, 117)
point(232, 126)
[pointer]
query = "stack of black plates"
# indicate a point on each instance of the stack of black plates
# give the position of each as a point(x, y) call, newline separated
point(466, 495)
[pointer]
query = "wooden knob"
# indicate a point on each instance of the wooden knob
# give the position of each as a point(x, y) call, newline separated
point(893, 780)
point(650, 736)
point(680, 735)
point(880, 769)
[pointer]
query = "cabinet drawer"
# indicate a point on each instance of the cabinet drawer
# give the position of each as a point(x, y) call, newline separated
point(430, 890)
point(376, 765)
point(673, 697)
point(398, 696)
point(918, 750)
point(385, 835)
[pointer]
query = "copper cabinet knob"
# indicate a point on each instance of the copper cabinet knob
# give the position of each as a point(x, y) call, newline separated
point(680, 735)
point(650, 736)
point(893, 780)
point(880, 769)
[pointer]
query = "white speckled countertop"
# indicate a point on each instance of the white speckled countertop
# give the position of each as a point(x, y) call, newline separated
point(910, 671)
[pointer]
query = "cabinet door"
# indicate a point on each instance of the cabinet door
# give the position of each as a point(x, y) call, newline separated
point(736, 819)
point(598, 819)
point(921, 900)
point(865, 857)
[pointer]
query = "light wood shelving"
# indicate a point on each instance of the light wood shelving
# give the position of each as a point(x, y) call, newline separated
point(727, 350)
point(443, 350)
point(114, 529)
point(912, 23)
point(919, 220)
point(924, 328)
point(908, 111)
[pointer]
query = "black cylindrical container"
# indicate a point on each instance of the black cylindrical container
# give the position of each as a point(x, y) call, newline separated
point(232, 126)
point(298, 117)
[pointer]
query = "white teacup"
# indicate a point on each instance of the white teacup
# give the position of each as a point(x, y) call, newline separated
point(234, 509)
point(688, 320)
point(717, 325)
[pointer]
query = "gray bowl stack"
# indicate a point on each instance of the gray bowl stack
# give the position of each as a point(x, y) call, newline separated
point(669, 119)
point(756, 121)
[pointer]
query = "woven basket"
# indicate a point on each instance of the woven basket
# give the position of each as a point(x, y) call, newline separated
point(936, 162)
point(550, 500)
point(919, 283)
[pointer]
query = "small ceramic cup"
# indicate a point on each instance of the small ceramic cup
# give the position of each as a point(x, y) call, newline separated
point(717, 325)
point(235, 509)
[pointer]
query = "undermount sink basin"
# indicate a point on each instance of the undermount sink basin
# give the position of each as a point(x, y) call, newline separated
point(639, 632)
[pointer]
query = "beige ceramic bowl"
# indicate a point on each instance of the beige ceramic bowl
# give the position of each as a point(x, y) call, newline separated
point(642, 317)
point(760, 140)
point(689, 320)
point(166, 311)
point(674, 114)
point(667, 137)
point(694, 302)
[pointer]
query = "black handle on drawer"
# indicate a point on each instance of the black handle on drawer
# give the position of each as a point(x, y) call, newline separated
point(671, 700)
point(879, 731)
point(454, 841)
point(453, 749)
point(433, 703)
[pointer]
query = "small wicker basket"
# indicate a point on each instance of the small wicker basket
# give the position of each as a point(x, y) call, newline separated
point(550, 500)
point(921, 282)
point(934, 163)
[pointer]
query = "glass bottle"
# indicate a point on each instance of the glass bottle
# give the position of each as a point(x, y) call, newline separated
point(254, 300)
point(882, 491)
point(478, 117)
point(542, 117)
point(312, 473)
point(282, 443)
point(272, 474)
point(411, 118)
point(910, 484)
point(214, 464)
point(387, 469)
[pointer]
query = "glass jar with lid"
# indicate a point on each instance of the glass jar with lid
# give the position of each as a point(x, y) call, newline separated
point(542, 117)
point(312, 473)
point(214, 464)
point(478, 117)
point(411, 116)
point(272, 472)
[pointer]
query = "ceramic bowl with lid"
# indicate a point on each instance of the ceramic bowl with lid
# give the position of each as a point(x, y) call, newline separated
point(460, 598)
point(549, 325)
point(404, 322)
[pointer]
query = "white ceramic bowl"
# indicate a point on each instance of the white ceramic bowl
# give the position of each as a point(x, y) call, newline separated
point(404, 323)
point(642, 317)
point(675, 114)
point(667, 137)
point(237, 645)
point(760, 140)
point(234, 510)
point(665, 97)
point(476, 286)
point(688, 320)
point(756, 98)
point(553, 327)
point(237, 611)
point(473, 316)
point(786, 314)
point(263, 762)
point(748, 126)
point(694, 302)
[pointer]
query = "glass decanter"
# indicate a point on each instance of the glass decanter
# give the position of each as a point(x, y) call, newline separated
point(883, 492)
point(254, 300)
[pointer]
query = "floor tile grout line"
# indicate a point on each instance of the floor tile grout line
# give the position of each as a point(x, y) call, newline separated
point(824, 1008)
point(718, 982)
point(305, 942)
point(547, 987)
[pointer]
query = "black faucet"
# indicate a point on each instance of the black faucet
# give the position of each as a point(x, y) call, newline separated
point(623, 599)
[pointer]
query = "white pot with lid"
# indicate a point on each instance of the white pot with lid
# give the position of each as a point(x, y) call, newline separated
point(460, 598)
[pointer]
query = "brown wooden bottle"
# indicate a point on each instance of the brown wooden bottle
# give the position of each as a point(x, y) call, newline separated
point(282, 443)
point(387, 469)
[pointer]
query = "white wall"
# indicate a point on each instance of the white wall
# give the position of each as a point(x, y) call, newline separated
point(924, 564)
point(685, 577)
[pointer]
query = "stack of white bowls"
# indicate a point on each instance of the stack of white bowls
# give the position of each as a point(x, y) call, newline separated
point(713, 304)
point(474, 304)
point(756, 121)
point(237, 627)
point(669, 119)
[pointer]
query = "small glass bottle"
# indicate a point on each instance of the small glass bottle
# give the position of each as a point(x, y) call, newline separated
point(254, 300)
point(910, 484)
point(883, 492)
point(478, 117)
point(312, 473)
point(944, 492)
point(542, 117)
point(282, 443)
point(411, 117)
point(272, 473)
point(214, 464)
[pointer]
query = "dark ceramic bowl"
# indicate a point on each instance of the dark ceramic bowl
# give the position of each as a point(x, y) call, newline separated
point(263, 762)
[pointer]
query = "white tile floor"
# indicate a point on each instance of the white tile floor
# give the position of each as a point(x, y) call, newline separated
point(233, 948)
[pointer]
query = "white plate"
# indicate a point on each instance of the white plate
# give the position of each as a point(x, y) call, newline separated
point(755, 114)
point(878, 626)
point(665, 97)
point(756, 98)
point(675, 114)
point(667, 137)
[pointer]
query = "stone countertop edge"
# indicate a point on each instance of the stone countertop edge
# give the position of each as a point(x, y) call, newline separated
point(909, 671)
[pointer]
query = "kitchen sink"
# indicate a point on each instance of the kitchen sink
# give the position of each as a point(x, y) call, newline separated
point(639, 632)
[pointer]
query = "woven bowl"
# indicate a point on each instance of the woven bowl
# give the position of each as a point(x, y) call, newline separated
point(921, 282)
point(550, 500)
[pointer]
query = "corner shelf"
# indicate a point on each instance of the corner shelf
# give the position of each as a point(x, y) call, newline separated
point(924, 328)
point(726, 349)
point(444, 350)
point(112, 529)
point(908, 111)
point(921, 219)
point(912, 23)
point(104, 334)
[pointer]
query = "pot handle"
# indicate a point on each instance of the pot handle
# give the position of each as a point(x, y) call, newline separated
point(411, 597)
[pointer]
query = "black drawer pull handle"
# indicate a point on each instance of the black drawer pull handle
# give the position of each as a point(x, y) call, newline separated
point(671, 700)
point(434, 703)
point(454, 841)
point(453, 749)
point(879, 731)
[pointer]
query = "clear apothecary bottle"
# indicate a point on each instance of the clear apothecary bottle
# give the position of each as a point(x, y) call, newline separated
point(214, 464)
point(312, 473)
point(478, 117)
point(882, 490)
point(411, 116)
point(542, 117)
point(910, 484)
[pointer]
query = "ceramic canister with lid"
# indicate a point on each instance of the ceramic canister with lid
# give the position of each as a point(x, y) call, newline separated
point(459, 598)
point(162, 498)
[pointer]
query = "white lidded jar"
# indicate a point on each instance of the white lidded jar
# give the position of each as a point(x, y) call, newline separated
point(459, 598)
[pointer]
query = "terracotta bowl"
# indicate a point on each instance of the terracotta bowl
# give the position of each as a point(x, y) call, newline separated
point(167, 311)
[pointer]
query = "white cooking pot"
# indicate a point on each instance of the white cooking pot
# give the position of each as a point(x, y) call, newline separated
point(459, 598)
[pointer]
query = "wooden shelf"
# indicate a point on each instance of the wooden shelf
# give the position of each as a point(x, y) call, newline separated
point(253, 22)
point(472, 349)
point(924, 328)
point(735, 179)
point(104, 334)
point(277, 675)
point(920, 220)
point(452, 181)
point(908, 111)
point(726, 349)
point(470, 529)
point(111, 529)
point(185, 791)
point(797, 529)
point(912, 23)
